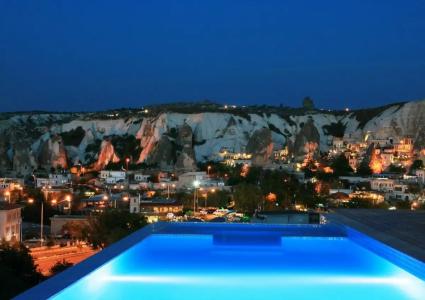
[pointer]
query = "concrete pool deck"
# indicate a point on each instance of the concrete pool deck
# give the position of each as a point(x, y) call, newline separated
point(403, 230)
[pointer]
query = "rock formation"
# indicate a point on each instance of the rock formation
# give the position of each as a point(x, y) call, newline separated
point(260, 145)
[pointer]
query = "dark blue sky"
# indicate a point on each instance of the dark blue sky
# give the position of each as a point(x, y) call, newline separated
point(92, 55)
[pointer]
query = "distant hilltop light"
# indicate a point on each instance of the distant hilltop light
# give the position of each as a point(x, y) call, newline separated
point(146, 111)
point(347, 109)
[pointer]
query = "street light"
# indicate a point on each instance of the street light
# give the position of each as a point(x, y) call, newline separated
point(196, 184)
point(127, 160)
point(208, 170)
point(7, 193)
point(31, 201)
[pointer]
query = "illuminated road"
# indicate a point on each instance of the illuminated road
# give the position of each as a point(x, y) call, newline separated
point(46, 258)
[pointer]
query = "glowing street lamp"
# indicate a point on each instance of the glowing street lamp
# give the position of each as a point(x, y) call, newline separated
point(196, 184)
point(127, 160)
point(7, 194)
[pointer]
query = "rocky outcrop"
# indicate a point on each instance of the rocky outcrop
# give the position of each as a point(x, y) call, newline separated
point(182, 139)
point(164, 154)
point(23, 161)
point(260, 145)
point(52, 153)
point(106, 155)
point(307, 141)
point(5, 163)
point(186, 155)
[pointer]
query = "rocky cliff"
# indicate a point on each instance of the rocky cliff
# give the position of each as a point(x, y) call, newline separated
point(170, 138)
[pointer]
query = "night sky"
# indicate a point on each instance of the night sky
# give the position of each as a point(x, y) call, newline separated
point(92, 55)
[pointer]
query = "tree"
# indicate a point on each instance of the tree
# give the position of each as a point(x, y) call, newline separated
point(76, 230)
point(308, 103)
point(17, 270)
point(396, 169)
point(341, 166)
point(247, 197)
point(417, 165)
point(364, 168)
point(60, 266)
point(218, 199)
point(112, 225)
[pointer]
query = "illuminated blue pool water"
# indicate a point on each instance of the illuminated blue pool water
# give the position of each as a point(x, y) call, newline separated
point(224, 261)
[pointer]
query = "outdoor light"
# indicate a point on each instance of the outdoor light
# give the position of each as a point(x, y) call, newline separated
point(30, 200)
point(196, 183)
point(105, 197)
point(54, 201)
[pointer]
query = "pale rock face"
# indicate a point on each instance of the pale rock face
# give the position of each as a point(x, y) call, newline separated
point(209, 133)
point(106, 155)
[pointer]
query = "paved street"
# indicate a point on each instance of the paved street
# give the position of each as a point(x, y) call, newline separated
point(46, 258)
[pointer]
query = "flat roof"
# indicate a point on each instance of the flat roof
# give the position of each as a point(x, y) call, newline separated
point(401, 229)
point(7, 206)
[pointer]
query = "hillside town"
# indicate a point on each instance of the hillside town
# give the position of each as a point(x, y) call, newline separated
point(367, 172)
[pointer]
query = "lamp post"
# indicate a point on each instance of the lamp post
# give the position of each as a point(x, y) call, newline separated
point(195, 194)
point(208, 170)
point(127, 160)
point(7, 194)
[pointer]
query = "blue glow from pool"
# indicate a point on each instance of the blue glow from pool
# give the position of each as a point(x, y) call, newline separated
point(246, 264)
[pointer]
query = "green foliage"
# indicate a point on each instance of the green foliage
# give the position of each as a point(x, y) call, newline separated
point(126, 146)
point(218, 199)
point(76, 230)
point(396, 169)
point(112, 225)
point(60, 266)
point(341, 166)
point(17, 270)
point(417, 165)
point(335, 129)
point(360, 203)
point(73, 137)
point(364, 168)
point(247, 197)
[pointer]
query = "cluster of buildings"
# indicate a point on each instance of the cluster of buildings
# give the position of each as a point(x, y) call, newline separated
point(383, 152)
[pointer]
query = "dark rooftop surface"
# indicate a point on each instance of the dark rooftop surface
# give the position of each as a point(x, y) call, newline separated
point(7, 206)
point(403, 230)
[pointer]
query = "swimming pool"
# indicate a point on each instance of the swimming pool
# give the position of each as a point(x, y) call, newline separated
point(241, 261)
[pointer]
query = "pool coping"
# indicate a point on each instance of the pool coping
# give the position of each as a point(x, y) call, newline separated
point(54, 285)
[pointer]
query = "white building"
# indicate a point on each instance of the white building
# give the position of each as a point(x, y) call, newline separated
point(382, 184)
point(10, 222)
point(54, 180)
point(421, 176)
point(112, 177)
